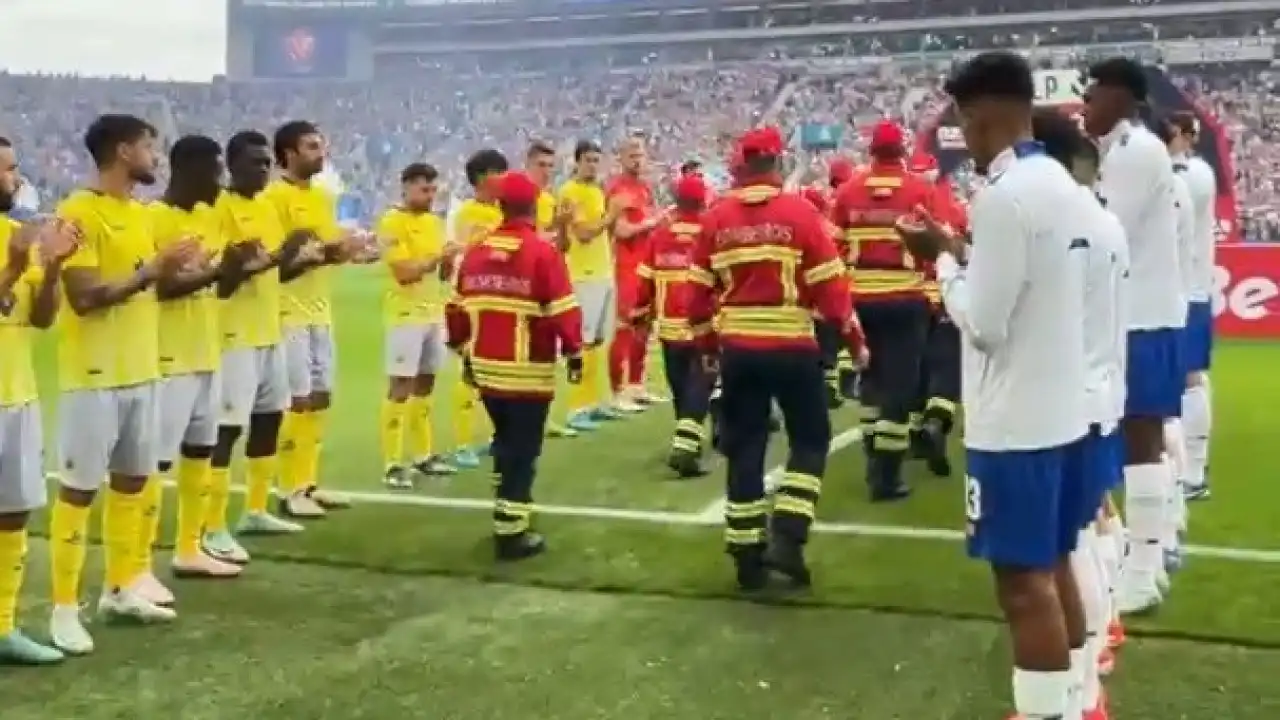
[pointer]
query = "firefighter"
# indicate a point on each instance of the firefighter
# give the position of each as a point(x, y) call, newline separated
point(890, 300)
point(938, 392)
point(763, 264)
point(663, 304)
point(514, 300)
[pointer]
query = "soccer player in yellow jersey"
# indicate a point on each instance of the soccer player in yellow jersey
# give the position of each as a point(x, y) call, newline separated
point(475, 219)
point(255, 386)
point(415, 254)
point(307, 314)
point(190, 359)
point(28, 300)
point(109, 373)
point(590, 259)
point(540, 165)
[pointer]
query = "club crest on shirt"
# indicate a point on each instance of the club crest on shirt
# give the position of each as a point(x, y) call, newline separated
point(8, 301)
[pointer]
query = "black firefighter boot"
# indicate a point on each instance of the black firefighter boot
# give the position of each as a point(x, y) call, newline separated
point(786, 557)
point(752, 572)
point(519, 546)
point(884, 476)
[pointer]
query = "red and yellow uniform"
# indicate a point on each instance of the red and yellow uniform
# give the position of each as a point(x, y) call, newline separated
point(664, 284)
point(663, 300)
point(763, 277)
point(513, 307)
point(890, 297)
point(512, 314)
point(472, 224)
point(866, 208)
point(762, 268)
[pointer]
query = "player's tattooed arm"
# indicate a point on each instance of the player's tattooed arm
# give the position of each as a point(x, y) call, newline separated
point(88, 292)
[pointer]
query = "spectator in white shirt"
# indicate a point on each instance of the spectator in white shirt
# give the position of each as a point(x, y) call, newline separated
point(1101, 456)
point(1198, 262)
point(1138, 185)
point(1018, 304)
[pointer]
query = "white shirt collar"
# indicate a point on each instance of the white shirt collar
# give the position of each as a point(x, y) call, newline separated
point(1001, 162)
point(1106, 141)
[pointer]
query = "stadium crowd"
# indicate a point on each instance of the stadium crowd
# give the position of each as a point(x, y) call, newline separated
point(687, 102)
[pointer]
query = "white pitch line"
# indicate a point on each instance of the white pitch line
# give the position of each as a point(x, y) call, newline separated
point(714, 512)
point(660, 517)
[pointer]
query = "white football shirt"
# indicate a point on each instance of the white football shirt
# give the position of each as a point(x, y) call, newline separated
point(1019, 305)
point(1105, 325)
point(1137, 185)
point(1186, 228)
point(1202, 182)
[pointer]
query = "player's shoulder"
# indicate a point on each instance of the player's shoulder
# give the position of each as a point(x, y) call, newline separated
point(77, 203)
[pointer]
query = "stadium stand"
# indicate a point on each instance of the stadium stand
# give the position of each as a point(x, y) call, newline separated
point(438, 90)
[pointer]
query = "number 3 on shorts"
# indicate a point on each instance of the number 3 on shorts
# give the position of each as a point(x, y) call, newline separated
point(972, 499)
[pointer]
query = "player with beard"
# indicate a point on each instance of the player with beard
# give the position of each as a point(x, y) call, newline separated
point(109, 373)
point(307, 313)
point(28, 301)
point(190, 360)
point(628, 192)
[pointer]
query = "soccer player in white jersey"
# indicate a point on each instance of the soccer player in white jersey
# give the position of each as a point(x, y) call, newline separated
point(1175, 519)
point(1018, 304)
point(1101, 457)
point(1137, 184)
point(1197, 263)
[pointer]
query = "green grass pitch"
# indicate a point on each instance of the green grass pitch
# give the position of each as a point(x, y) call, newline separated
point(395, 609)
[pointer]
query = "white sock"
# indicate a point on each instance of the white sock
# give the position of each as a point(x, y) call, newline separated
point(1075, 694)
point(1196, 421)
point(1093, 594)
point(1145, 487)
point(1040, 695)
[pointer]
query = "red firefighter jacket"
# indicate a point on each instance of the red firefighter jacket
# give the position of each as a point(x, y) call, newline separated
point(763, 268)
point(866, 209)
point(951, 212)
point(513, 305)
point(664, 278)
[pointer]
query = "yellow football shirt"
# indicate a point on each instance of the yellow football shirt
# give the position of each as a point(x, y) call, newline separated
point(307, 299)
point(189, 339)
point(17, 374)
point(251, 316)
point(417, 237)
point(587, 260)
point(475, 220)
point(117, 346)
point(546, 212)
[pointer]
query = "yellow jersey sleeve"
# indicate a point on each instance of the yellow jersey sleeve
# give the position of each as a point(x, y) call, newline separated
point(117, 346)
point(392, 236)
point(546, 212)
point(17, 337)
point(593, 260)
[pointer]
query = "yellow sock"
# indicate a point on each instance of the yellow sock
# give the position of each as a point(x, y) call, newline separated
point(215, 510)
point(418, 429)
point(121, 520)
point(68, 526)
point(260, 473)
point(315, 448)
point(149, 527)
point(464, 415)
point(392, 431)
point(13, 561)
point(288, 449)
point(194, 479)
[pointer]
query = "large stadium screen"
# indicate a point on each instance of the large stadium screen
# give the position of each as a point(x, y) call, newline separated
point(1063, 89)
